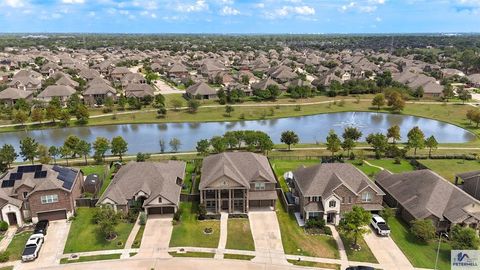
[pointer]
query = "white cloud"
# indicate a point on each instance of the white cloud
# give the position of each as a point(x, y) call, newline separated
point(73, 1)
point(198, 5)
point(290, 10)
point(229, 11)
point(13, 3)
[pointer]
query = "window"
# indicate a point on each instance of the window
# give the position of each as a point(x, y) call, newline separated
point(349, 199)
point(49, 199)
point(159, 199)
point(25, 194)
point(366, 197)
point(332, 203)
point(343, 199)
point(314, 199)
point(260, 186)
point(210, 204)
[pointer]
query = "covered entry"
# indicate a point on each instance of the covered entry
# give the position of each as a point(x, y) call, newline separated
point(12, 219)
point(52, 215)
point(160, 210)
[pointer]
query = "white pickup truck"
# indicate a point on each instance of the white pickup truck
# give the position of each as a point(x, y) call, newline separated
point(380, 226)
point(32, 247)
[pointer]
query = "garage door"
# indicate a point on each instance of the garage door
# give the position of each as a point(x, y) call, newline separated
point(53, 215)
point(260, 203)
point(161, 210)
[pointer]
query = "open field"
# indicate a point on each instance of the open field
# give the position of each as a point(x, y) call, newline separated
point(449, 167)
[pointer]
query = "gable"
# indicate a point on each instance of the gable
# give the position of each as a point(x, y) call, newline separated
point(156, 201)
point(224, 182)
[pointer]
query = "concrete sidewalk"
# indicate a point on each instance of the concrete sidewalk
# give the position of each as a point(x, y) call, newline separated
point(9, 234)
point(223, 236)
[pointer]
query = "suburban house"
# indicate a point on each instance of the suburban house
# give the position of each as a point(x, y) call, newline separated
point(423, 194)
point(10, 96)
point(139, 90)
point(39, 192)
point(96, 93)
point(62, 92)
point(328, 190)
point(26, 83)
point(153, 186)
point(469, 182)
point(236, 182)
point(202, 90)
point(177, 70)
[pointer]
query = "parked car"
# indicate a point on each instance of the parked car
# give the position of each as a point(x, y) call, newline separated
point(32, 247)
point(360, 268)
point(41, 227)
point(380, 226)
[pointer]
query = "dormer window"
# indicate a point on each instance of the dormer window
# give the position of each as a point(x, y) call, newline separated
point(366, 197)
point(159, 199)
point(25, 194)
point(332, 203)
point(259, 186)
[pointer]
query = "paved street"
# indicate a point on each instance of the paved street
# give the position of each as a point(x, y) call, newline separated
point(387, 252)
point(156, 237)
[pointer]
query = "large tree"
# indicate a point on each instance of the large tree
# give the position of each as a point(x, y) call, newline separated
point(7, 155)
point(352, 133)
point(395, 101)
point(348, 145)
point(379, 143)
point(202, 147)
point(83, 148)
point(71, 143)
point(101, 145)
point(219, 144)
point(333, 142)
point(28, 149)
point(447, 92)
point(464, 238)
point(378, 101)
point(289, 137)
point(394, 133)
point(416, 139)
point(54, 153)
point(354, 224)
point(119, 146)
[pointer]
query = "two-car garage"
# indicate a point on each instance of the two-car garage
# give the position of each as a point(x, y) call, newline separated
point(52, 215)
point(160, 210)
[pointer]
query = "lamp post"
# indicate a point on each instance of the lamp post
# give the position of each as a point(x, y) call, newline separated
point(438, 249)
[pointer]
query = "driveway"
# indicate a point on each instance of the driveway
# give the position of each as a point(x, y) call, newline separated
point(387, 252)
point(267, 237)
point(53, 245)
point(166, 89)
point(156, 237)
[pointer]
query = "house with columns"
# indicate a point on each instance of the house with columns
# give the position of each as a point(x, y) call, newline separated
point(236, 182)
point(329, 190)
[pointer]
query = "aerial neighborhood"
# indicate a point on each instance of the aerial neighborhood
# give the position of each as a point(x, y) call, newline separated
point(290, 152)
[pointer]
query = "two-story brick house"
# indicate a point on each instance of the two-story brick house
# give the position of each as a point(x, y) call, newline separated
point(329, 190)
point(39, 192)
point(235, 182)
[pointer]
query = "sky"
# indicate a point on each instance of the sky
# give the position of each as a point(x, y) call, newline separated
point(240, 16)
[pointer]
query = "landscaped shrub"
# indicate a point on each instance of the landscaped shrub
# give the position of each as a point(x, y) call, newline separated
point(3, 226)
point(423, 229)
point(4, 256)
point(177, 215)
point(142, 219)
point(202, 212)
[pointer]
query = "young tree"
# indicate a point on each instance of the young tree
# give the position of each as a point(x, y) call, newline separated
point(379, 143)
point(66, 153)
point(52, 112)
point(54, 153)
point(378, 101)
point(161, 112)
point(447, 92)
point(193, 105)
point(175, 144)
point(202, 147)
point(122, 102)
point(464, 238)
point(228, 110)
point(119, 146)
point(416, 139)
point(219, 144)
point(71, 143)
point(176, 104)
point(7, 155)
point(464, 95)
point(64, 117)
point(142, 157)
point(43, 155)
point(333, 142)
point(418, 93)
point(352, 133)
point(264, 142)
point(395, 100)
point(423, 229)
point(107, 219)
point(38, 115)
point(28, 149)
point(387, 213)
point(474, 116)
point(101, 145)
point(348, 145)
point(355, 224)
point(431, 143)
point(394, 133)
point(83, 148)
point(20, 117)
point(162, 144)
point(82, 114)
point(289, 137)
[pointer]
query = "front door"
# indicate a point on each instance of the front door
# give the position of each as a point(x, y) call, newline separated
point(331, 217)
point(225, 205)
point(12, 219)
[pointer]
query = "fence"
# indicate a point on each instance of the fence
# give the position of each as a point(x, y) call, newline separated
point(290, 208)
point(86, 202)
point(189, 197)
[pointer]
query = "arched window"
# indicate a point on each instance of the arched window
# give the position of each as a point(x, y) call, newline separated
point(332, 203)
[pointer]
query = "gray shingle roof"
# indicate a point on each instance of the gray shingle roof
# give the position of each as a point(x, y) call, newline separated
point(14, 94)
point(57, 91)
point(201, 88)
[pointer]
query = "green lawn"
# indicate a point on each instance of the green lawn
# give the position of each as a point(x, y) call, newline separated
point(388, 164)
point(106, 182)
point(238, 257)
point(91, 258)
point(315, 264)
point(188, 178)
point(362, 255)
point(296, 241)
point(449, 167)
point(99, 170)
point(15, 248)
point(239, 234)
point(6, 268)
point(193, 254)
point(282, 166)
point(85, 236)
point(189, 232)
point(138, 237)
point(420, 254)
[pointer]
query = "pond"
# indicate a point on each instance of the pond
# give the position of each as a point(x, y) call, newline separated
point(310, 129)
